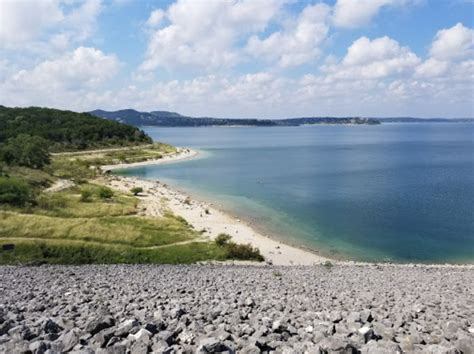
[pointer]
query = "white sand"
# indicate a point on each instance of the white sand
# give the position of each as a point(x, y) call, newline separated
point(182, 154)
point(157, 197)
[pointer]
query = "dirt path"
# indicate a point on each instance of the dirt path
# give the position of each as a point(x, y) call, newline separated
point(60, 185)
point(72, 153)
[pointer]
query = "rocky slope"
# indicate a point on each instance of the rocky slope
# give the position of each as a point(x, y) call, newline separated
point(245, 309)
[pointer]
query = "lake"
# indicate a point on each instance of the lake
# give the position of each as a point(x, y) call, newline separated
point(391, 192)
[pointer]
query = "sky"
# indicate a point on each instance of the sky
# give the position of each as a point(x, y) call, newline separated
point(248, 58)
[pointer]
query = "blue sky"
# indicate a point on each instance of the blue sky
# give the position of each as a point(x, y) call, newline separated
point(250, 58)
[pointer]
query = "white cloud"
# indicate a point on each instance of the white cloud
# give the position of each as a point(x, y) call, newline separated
point(155, 18)
point(373, 59)
point(297, 44)
point(61, 81)
point(205, 34)
point(22, 20)
point(456, 42)
point(356, 13)
point(431, 68)
point(25, 24)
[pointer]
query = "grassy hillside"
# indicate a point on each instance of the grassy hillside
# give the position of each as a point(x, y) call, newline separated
point(83, 222)
point(66, 228)
point(66, 130)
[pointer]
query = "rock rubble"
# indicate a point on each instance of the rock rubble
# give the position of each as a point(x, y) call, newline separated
point(236, 309)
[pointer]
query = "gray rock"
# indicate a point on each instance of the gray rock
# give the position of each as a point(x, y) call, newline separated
point(125, 327)
point(69, 339)
point(98, 324)
point(38, 347)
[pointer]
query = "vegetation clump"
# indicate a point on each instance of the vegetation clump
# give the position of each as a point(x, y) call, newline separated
point(238, 251)
point(15, 192)
point(86, 195)
point(25, 150)
point(136, 190)
point(105, 193)
point(51, 201)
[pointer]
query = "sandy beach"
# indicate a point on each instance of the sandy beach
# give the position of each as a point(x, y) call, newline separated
point(159, 197)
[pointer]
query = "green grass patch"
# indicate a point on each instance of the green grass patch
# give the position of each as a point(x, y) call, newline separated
point(131, 231)
point(78, 252)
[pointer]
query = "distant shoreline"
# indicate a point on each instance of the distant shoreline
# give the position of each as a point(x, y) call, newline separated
point(217, 221)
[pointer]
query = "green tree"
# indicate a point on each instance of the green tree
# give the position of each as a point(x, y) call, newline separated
point(15, 192)
point(136, 190)
point(26, 150)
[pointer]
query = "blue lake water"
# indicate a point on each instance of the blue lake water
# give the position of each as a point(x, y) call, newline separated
point(399, 192)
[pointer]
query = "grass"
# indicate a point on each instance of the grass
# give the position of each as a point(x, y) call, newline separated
point(131, 231)
point(79, 252)
point(88, 224)
point(62, 229)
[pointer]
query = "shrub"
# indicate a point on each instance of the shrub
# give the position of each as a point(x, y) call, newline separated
point(222, 239)
point(136, 190)
point(15, 192)
point(243, 252)
point(51, 201)
point(187, 201)
point(105, 193)
point(238, 251)
point(86, 195)
point(328, 264)
point(207, 211)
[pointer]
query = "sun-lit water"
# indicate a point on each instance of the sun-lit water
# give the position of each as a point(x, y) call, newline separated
point(400, 192)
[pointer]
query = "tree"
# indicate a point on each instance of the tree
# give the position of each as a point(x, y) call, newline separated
point(26, 150)
point(136, 190)
point(15, 192)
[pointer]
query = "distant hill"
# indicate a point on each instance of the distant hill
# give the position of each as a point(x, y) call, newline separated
point(172, 119)
point(67, 130)
point(425, 120)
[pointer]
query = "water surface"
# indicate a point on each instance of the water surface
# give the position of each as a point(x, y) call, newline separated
point(399, 192)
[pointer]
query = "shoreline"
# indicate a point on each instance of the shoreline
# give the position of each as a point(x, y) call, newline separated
point(207, 216)
point(180, 155)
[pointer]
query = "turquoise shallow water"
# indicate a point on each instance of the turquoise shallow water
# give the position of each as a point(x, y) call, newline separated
point(399, 192)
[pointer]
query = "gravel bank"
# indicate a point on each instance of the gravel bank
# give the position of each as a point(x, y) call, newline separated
point(244, 309)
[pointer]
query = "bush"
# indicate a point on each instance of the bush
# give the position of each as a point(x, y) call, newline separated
point(105, 193)
point(222, 239)
point(136, 190)
point(15, 192)
point(328, 264)
point(243, 252)
point(51, 201)
point(86, 195)
point(238, 251)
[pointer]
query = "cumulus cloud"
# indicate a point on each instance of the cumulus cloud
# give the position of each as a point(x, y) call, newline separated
point(297, 44)
point(204, 34)
point(23, 22)
point(431, 68)
point(355, 13)
point(451, 52)
point(61, 79)
point(373, 59)
point(456, 42)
